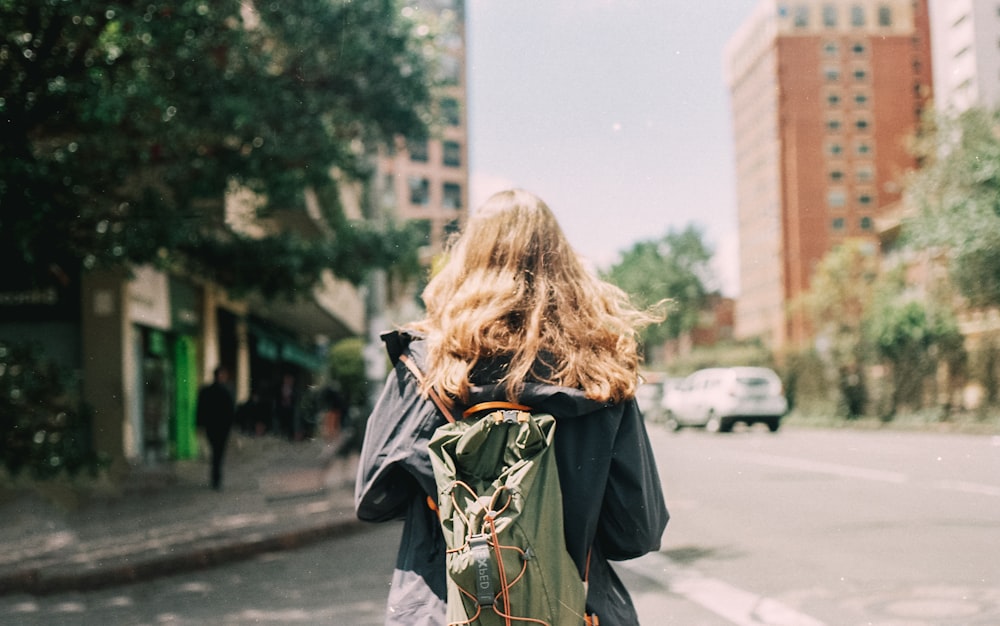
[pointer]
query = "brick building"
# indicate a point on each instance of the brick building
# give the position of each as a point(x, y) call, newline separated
point(824, 96)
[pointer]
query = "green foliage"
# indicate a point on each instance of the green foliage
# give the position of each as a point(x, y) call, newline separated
point(726, 354)
point(957, 197)
point(42, 431)
point(347, 368)
point(675, 268)
point(125, 124)
point(841, 288)
point(347, 371)
point(912, 337)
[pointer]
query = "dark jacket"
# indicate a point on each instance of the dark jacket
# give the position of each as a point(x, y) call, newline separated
point(612, 497)
point(216, 410)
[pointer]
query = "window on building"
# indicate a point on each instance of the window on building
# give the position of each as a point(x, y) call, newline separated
point(388, 189)
point(417, 149)
point(451, 227)
point(865, 199)
point(452, 198)
point(860, 74)
point(836, 176)
point(866, 223)
point(838, 223)
point(449, 69)
point(835, 149)
point(864, 149)
point(833, 125)
point(833, 99)
point(830, 48)
point(864, 174)
point(829, 15)
point(452, 154)
point(832, 74)
point(836, 199)
point(861, 99)
point(857, 15)
point(885, 15)
point(451, 112)
point(801, 19)
point(859, 48)
point(420, 191)
point(861, 124)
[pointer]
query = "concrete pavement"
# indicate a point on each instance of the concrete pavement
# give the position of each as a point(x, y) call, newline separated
point(276, 495)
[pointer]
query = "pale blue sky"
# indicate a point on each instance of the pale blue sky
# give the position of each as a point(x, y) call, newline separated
point(615, 112)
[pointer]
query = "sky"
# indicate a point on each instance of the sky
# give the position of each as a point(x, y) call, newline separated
point(615, 112)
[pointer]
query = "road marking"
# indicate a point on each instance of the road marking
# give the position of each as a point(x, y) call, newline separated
point(736, 605)
point(835, 469)
point(848, 471)
point(967, 487)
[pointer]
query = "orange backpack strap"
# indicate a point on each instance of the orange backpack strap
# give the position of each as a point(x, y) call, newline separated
point(493, 406)
point(410, 365)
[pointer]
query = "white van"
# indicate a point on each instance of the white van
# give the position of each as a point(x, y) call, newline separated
point(719, 397)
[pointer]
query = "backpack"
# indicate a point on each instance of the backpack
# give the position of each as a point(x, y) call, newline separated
point(499, 502)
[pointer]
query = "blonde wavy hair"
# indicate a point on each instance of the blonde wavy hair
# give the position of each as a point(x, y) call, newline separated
point(512, 287)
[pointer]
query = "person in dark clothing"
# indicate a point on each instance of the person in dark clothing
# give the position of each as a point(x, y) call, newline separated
point(216, 413)
point(513, 315)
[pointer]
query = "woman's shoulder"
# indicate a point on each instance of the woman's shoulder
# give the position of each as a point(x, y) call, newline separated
point(404, 341)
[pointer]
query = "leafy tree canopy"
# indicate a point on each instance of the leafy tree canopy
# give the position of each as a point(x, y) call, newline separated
point(957, 198)
point(125, 123)
point(675, 268)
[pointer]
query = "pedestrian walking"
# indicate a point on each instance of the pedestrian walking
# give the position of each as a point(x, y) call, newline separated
point(216, 413)
point(513, 315)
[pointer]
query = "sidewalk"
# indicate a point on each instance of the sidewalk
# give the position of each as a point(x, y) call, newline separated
point(276, 495)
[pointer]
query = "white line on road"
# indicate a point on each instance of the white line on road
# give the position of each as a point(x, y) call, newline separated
point(806, 465)
point(848, 471)
point(967, 487)
point(738, 606)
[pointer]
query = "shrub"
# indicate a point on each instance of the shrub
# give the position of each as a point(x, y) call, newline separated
point(44, 431)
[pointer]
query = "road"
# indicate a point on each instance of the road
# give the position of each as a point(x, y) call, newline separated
point(833, 527)
point(799, 528)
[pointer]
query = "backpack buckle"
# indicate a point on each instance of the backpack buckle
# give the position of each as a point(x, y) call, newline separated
point(510, 416)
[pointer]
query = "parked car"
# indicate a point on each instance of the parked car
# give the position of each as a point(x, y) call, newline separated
point(719, 397)
point(648, 396)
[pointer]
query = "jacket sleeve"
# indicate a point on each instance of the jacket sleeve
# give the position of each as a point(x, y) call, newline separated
point(395, 465)
point(633, 515)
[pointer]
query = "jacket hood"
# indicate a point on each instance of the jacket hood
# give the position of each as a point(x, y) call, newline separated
point(561, 402)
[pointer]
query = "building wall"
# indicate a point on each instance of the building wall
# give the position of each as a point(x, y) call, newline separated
point(851, 87)
point(751, 63)
point(429, 181)
point(966, 55)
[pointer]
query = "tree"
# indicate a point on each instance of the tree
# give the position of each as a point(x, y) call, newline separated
point(957, 197)
point(126, 124)
point(840, 289)
point(912, 337)
point(675, 268)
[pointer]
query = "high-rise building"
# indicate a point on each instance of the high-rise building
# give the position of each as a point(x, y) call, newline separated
point(824, 95)
point(966, 55)
point(428, 180)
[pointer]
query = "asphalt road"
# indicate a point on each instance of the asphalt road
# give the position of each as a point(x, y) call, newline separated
point(833, 527)
point(800, 528)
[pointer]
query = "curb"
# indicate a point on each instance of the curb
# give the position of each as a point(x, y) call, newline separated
point(202, 555)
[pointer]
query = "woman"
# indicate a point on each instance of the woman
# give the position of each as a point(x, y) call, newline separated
point(513, 315)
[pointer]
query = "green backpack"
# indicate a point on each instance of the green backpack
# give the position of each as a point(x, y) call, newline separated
point(500, 506)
